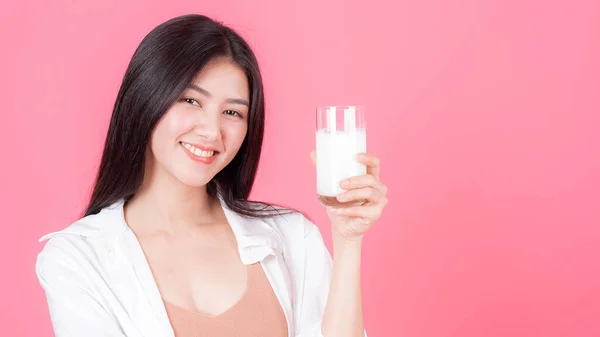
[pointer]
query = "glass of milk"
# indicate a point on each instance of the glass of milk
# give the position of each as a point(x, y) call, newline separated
point(341, 135)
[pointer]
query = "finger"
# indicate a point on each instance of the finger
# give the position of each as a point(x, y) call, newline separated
point(313, 157)
point(367, 212)
point(367, 193)
point(366, 180)
point(372, 162)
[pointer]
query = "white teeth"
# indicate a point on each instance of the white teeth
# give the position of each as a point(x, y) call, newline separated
point(197, 151)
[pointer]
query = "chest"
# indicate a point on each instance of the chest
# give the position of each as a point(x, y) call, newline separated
point(256, 314)
point(133, 286)
point(202, 276)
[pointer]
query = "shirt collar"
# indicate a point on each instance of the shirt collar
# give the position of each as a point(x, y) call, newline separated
point(256, 237)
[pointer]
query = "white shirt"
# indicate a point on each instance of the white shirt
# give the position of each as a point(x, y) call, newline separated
point(98, 281)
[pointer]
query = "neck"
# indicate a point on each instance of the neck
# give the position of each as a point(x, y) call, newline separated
point(165, 204)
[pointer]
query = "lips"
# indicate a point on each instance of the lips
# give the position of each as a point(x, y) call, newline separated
point(199, 153)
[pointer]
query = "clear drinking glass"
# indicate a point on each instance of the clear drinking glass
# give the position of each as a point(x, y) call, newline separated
point(341, 135)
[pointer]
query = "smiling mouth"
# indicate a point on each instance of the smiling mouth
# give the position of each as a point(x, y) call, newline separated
point(198, 152)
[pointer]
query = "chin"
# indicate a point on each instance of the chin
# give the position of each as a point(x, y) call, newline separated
point(195, 180)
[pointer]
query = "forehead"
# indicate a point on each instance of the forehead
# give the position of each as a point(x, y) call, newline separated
point(222, 77)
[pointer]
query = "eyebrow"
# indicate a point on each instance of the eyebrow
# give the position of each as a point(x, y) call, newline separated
point(208, 94)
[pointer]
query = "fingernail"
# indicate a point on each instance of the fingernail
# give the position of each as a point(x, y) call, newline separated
point(344, 183)
point(342, 197)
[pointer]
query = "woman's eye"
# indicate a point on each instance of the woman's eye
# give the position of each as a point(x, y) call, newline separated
point(191, 101)
point(232, 113)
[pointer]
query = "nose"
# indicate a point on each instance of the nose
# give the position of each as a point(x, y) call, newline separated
point(209, 126)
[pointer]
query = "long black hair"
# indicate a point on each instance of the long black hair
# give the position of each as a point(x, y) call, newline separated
point(165, 62)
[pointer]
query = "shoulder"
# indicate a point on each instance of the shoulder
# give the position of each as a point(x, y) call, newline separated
point(297, 232)
point(291, 222)
point(108, 223)
point(80, 243)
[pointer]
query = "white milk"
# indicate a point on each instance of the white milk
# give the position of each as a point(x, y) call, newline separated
point(336, 159)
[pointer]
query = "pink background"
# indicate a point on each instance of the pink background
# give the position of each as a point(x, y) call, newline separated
point(486, 115)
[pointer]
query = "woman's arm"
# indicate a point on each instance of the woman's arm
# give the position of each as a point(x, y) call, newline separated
point(343, 315)
point(74, 310)
point(343, 312)
point(322, 291)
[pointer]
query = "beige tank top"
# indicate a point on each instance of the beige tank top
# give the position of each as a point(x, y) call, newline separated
point(257, 314)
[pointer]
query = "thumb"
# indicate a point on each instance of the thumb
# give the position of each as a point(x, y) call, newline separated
point(313, 157)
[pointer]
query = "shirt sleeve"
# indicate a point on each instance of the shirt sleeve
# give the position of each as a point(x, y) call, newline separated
point(317, 278)
point(74, 309)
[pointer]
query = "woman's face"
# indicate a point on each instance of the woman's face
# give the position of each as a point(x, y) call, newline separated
point(204, 129)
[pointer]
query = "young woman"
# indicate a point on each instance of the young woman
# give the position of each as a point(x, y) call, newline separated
point(170, 245)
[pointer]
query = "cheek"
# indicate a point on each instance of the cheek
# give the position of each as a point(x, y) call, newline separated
point(234, 135)
point(169, 128)
point(175, 123)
